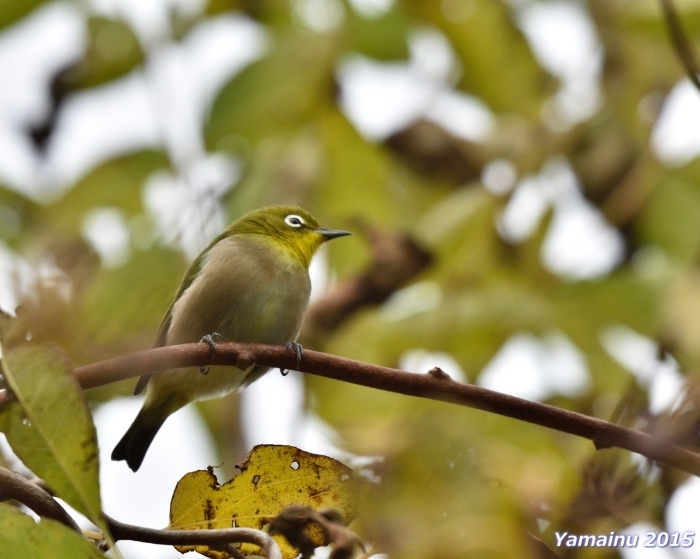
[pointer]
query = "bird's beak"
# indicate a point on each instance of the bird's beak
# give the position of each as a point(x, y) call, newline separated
point(332, 233)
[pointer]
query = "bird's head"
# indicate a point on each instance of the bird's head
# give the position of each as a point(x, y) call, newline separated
point(290, 228)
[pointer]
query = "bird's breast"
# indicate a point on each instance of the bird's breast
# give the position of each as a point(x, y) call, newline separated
point(247, 291)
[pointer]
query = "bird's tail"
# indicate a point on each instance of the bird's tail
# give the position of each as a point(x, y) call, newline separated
point(135, 442)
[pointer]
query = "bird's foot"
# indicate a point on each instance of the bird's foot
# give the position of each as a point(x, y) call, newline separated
point(298, 351)
point(209, 340)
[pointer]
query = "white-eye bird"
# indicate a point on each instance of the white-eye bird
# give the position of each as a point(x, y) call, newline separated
point(251, 284)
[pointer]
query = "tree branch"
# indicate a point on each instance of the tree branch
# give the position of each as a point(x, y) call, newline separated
point(38, 499)
point(17, 487)
point(216, 539)
point(685, 51)
point(435, 385)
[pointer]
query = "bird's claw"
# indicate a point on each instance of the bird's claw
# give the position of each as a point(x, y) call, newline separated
point(209, 340)
point(298, 351)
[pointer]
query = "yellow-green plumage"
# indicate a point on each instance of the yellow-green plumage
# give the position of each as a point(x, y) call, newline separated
point(251, 284)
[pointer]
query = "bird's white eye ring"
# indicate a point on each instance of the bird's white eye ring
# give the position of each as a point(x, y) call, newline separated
point(294, 220)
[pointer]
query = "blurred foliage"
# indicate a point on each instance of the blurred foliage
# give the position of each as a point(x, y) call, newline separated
point(505, 74)
point(12, 10)
point(113, 50)
point(447, 482)
point(116, 183)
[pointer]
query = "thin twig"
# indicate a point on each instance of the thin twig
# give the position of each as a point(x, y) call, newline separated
point(212, 538)
point(685, 51)
point(37, 498)
point(431, 386)
point(17, 487)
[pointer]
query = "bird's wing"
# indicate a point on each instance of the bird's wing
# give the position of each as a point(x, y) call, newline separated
point(160, 342)
point(161, 338)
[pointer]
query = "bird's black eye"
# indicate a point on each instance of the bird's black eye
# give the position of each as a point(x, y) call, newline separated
point(294, 220)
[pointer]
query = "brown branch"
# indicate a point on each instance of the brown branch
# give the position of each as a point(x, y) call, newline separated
point(433, 151)
point(14, 486)
point(685, 51)
point(216, 539)
point(433, 386)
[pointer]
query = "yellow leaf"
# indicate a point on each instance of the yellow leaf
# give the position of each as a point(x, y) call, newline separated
point(272, 477)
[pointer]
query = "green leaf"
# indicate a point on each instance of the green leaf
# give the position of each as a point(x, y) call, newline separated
point(113, 50)
point(383, 38)
point(50, 427)
point(356, 181)
point(680, 236)
point(134, 297)
point(262, 177)
point(13, 10)
point(273, 96)
point(497, 64)
point(647, 17)
point(23, 538)
point(584, 309)
point(116, 183)
point(15, 211)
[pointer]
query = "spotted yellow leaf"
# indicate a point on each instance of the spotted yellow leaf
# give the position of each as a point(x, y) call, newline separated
point(272, 477)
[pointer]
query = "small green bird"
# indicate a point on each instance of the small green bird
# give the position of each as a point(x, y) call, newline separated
point(251, 284)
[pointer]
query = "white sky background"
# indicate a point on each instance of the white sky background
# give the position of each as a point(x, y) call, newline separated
point(162, 105)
